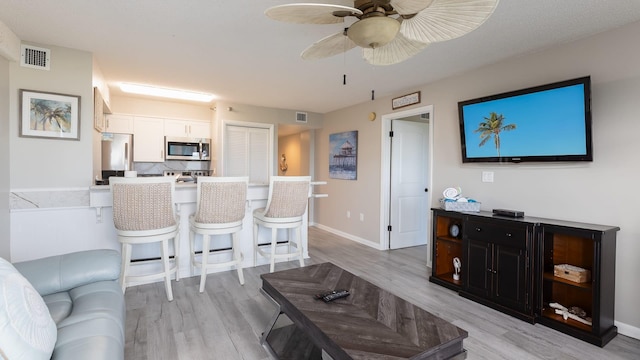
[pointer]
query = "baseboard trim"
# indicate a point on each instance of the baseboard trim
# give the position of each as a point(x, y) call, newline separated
point(357, 239)
point(628, 330)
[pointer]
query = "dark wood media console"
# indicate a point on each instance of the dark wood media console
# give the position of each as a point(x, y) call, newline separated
point(508, 264)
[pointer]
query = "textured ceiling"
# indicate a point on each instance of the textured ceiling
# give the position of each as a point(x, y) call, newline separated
point(231, 49)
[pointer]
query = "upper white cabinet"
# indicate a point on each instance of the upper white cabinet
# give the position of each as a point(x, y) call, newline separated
point(187, 128)
point(148, 139)
point(119, 124)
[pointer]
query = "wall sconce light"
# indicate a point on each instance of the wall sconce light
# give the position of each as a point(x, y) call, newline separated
point(283, 164)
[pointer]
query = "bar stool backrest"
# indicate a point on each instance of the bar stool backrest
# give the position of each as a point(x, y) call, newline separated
point(288, 196)
point(142, 204)
point(221, 200)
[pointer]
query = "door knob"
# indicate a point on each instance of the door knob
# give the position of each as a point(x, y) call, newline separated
point(426, 190)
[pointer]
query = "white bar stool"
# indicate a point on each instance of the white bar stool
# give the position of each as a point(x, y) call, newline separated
point(286, 206)
point(144, 212)
point(220, 209)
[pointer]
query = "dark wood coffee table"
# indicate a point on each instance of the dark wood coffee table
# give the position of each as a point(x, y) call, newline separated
point(370, 323)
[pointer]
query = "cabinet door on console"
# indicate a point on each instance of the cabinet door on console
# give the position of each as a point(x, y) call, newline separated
point(479, 273)
point(510, 280)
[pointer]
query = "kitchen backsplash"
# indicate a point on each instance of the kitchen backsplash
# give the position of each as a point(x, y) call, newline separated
point(159, 168)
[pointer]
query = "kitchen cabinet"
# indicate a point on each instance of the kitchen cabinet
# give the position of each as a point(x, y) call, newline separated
point(498, 265)
point(148, 139)
point(187, 128)
point(591, 248)
point(119, 124)
point(446, 246)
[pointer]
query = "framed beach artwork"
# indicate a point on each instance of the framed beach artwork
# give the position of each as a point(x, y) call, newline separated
point(343, 159)
point(49, 115)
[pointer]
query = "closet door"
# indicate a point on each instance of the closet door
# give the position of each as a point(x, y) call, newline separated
point(247, 153)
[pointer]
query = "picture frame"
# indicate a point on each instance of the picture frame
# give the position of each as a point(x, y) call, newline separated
point(49, 115)
point(343, 155)
point(405, 100)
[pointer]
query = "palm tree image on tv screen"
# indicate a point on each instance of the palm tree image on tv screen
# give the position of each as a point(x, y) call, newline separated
point(491, 127)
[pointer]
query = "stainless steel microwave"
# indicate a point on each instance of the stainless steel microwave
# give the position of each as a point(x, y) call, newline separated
point(178, 148)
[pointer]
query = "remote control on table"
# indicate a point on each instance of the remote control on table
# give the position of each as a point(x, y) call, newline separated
point(336, 294)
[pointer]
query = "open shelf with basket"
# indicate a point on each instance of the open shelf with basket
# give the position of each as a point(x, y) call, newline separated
point(577, 281)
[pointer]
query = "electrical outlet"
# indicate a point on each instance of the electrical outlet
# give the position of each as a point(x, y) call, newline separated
point(348, 214)
point(487, 176)
point(361, 217)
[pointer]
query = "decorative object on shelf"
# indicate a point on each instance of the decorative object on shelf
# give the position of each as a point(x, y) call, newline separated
point(343, 150)
point(388, 32)
point(571, 313)
point(454, 230)
point(283, 164)
point(406, 100)
point(49, 115)
point(457, 266)
point(572, 273)
point(454, 201)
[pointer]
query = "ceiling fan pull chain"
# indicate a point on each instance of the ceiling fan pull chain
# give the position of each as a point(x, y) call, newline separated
point(344, 79)
point(373, 95)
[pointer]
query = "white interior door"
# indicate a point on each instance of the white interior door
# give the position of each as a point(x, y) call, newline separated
point(409, 181)
point(248, 152)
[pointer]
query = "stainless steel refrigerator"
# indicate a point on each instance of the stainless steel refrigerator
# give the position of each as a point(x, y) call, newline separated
point(117, 154)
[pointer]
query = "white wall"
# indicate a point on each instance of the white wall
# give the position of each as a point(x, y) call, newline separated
point(599, 192)
point(36, 162)
point(5, 245)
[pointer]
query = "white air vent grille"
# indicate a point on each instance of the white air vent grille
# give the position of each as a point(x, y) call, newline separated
point(301, 117)
point(35, 57)
point(424, 116)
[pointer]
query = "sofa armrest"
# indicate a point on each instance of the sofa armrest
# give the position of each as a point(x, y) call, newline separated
point(64, 272)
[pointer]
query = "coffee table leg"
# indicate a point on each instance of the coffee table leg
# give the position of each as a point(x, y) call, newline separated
point(270, 324)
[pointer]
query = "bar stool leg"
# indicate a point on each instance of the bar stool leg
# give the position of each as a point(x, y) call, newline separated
point(192, 252)
point(299, 245)
point(237, 256)
point(124, 267)
point(256, 228)
point(274, 243)
point(167, 269)
point(206, 241)
point(176, 254)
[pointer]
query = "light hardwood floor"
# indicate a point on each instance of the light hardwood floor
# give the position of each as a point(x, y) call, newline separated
point(225, 322)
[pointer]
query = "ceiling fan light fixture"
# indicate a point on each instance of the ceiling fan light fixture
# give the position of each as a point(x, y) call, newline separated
point(373, 32)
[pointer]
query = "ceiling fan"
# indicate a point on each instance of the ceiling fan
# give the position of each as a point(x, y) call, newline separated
point(388, 31)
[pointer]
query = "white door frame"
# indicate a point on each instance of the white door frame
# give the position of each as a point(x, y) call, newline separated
point(385, 174)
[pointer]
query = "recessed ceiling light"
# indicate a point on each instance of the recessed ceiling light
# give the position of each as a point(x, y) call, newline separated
point(164, 92)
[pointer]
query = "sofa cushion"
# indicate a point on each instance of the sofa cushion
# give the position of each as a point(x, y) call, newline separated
point(101, 299)
point(27, 330)
point(90, 338)
point(59, 305)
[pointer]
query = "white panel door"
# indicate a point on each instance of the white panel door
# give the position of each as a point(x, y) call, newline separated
point(247, 153)
point(409, 209)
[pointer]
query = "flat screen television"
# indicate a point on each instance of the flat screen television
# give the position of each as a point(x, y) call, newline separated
point(544, 123)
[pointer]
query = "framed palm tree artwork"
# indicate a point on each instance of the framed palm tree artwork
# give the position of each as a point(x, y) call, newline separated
point(49, 115)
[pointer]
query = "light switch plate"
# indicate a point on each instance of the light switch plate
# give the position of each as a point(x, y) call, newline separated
point(487, 176)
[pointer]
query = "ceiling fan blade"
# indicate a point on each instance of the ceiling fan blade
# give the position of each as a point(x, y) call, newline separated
point(447, 19)
point(398, 50)
point(406, 7)
point(311, 13)
point(331, 45)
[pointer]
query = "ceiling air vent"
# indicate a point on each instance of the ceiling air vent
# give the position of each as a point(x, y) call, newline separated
point(301, 117)
point(424, 116)
point(35, 57)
